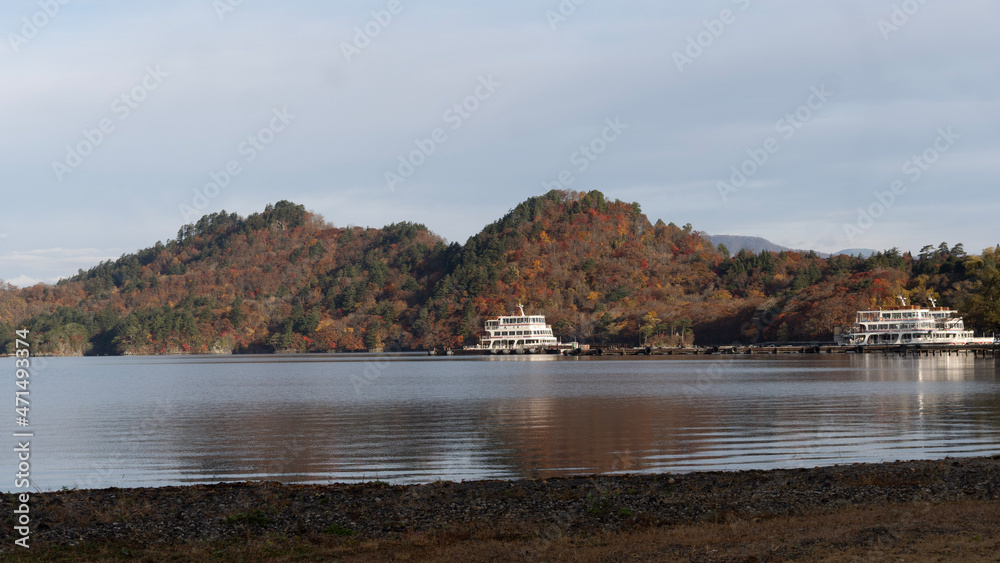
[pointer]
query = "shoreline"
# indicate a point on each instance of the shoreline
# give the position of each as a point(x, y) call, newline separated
point(984, 351)
point(439, 520)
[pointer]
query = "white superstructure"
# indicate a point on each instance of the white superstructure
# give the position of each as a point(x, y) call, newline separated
point(910, 325)
point(518, 331)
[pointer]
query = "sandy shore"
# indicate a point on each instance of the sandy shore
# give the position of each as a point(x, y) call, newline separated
point(911, 511)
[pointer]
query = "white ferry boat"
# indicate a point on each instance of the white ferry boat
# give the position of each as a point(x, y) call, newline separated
point(518, 331)
point(910, 325)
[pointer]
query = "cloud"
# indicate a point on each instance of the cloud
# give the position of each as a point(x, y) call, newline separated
point(48, 265)
point(608, 59)
point(26, 281)
point(57, 255)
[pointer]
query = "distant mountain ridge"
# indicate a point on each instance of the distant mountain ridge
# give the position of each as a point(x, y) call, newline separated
point(735, 243)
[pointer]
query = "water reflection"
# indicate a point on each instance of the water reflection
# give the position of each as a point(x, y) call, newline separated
point(879, 367)
point(102, 422)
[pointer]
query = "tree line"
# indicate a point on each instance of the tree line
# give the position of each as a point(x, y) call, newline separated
point(599, 270)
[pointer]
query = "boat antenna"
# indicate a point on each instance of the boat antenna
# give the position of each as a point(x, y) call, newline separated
point(520, 310)
point(902, 299)
point(933, 302)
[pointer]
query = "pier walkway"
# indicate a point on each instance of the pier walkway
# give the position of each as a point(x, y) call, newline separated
point(977, 350)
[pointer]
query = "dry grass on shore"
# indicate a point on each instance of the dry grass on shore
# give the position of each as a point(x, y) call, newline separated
point(956, 531)
point(946, 510)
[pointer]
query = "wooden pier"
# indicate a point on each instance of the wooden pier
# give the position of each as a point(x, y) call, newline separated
point(926, 350)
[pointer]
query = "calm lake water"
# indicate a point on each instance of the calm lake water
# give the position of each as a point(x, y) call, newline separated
point(155, 421)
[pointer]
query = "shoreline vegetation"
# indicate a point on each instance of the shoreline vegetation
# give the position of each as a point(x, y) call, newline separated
point(600, 271)
point(935, 510)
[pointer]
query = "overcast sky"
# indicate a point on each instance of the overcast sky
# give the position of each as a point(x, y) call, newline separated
point(823, 105)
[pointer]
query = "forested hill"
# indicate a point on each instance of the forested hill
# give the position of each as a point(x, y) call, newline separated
point(284, 280)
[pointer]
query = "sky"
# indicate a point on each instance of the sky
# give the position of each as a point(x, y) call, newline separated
point(823, 125)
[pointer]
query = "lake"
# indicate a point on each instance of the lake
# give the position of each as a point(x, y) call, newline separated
point(156, 421)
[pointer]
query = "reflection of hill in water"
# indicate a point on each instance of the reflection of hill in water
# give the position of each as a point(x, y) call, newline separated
point(728, 424)
point(520, 437)
point(594, 435)
point(514, 419)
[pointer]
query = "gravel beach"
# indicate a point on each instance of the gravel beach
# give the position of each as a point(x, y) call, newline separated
point(883, 510)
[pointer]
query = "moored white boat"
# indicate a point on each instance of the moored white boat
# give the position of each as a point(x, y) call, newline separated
point(910, 325)
point(517, 332)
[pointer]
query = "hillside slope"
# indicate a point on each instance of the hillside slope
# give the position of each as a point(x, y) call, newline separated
point(284, 280)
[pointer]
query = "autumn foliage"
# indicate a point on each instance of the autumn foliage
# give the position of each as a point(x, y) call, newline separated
point(601, 272)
